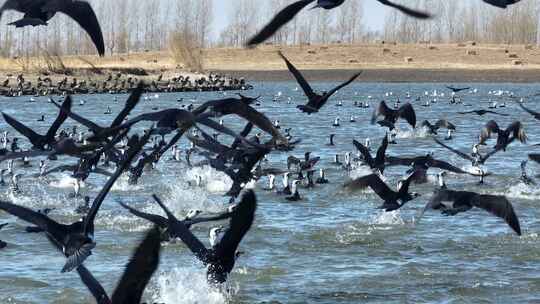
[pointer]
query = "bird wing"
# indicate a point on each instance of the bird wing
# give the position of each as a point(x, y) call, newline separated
point(406, 111)
point(83, 121)
point(459, 153)
point(446, 166)
point(60, 119)
point(32, 136)
point(364, 151)
point(533, 113)
point(56, 230)
point(457, 89)
point(245, 132)
point(216, 126)
point(158, 220)
point(179, 229)
point(407, 182)
point(434, 203)
point(250, 114)
point(490, 127)
point(406, 10)
point(299, 78)
point(374, 182)
point(139, 270)
point(534, 157)
point(497, 113)
point(501, 3)
point(131, 103)
point(381, 152)
point(241, 221)
point(280, 19)
point(518, 131)
point(200, 219)
point(443, 123)
point(96, 204)
point(84, 15)
point(339, 87)
point(93, 285)
point(400, 161)
point(387, 124)
point(498, 206)
point(382, 109)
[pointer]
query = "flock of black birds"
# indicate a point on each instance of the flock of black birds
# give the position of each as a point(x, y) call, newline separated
point(118, 83)
point(242, 160)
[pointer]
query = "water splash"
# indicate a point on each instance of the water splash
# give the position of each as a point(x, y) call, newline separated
point(122, 184)
point(186, 286)
point(66, 182)
point(214, 181)
point(388, 218)
point(523, 191)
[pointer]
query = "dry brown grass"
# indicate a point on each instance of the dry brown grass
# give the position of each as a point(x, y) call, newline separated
point(315, 57)
point(185, 52)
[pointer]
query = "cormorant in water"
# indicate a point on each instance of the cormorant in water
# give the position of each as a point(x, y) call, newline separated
point(294, 189)
point(393, 200)
point(391, 116)
point(504, 137)
point(219, 259)
point(378, 162)
point(441, 123)
point(322, 179)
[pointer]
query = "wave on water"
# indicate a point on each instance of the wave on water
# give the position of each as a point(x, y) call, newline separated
point(187, 285)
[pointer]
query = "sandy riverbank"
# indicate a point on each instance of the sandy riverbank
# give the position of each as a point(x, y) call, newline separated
point(380, 62)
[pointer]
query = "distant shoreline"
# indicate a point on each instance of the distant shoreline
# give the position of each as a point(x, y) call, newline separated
point(398, 75)
point(389, 62)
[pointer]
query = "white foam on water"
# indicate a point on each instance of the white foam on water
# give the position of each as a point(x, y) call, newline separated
point(523, 191)
point(421, 132)
point(388, 218)
point(186, 286)
point(212, 180)
point(409, 133)
point(122, 184)
point(66, 182)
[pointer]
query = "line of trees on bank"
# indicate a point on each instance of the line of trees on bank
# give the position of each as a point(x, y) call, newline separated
point(151, 25)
